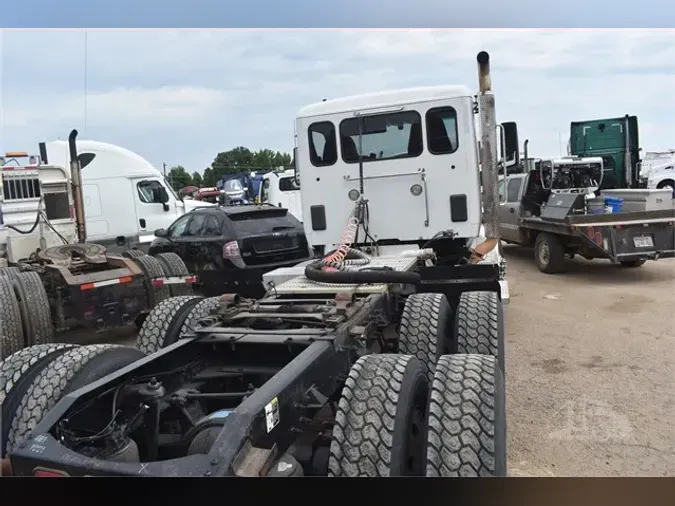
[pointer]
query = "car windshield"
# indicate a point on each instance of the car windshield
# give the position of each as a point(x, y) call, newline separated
point(233, 185)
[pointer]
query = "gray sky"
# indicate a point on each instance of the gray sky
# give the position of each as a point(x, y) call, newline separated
point(182, 96)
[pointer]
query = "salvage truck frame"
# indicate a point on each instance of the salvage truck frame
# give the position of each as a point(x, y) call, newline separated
point(395, 368)
point(53, 280)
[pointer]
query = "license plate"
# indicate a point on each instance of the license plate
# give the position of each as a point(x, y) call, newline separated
point(643, 241)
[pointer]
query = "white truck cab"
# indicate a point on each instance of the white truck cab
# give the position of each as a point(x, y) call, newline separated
point(281, 189)
point(125, 197)
point(420, 165)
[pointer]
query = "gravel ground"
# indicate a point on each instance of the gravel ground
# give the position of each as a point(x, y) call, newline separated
point(591, 368)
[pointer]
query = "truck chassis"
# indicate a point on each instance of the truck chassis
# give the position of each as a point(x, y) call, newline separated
point(381, 379)
point(80, 285)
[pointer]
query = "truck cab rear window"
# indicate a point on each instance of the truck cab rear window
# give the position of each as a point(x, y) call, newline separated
point(442, 135)
point(322, 144)
point(381, 137)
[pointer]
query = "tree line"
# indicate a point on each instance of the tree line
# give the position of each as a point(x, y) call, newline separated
point(239, 159)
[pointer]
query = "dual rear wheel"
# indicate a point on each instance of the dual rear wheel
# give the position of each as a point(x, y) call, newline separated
point(435, 409)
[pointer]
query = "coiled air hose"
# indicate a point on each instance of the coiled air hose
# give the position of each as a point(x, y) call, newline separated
point(345, 256)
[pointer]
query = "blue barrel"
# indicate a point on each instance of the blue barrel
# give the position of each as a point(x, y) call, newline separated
point(616, 203)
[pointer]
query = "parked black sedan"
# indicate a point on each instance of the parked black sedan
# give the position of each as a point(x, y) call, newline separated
point(231, 247)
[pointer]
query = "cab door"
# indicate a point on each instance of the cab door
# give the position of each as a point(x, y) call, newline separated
point(152, 210)
point(509, 212)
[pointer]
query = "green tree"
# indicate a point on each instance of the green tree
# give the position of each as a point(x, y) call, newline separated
point(196, 178)
point(242, 159)
point(179, 177)
point(209, 178)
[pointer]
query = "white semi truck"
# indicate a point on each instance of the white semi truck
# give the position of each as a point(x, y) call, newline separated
point(52, 278)
point(369, 362)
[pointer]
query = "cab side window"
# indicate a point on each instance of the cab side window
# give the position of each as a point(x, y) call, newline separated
point(513, 189)
point(149, 192)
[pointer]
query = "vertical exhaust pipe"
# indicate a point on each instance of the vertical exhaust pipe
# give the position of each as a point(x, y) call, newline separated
point(488, 149)
point(525, 155)
point(76, 181)
point(628, 165)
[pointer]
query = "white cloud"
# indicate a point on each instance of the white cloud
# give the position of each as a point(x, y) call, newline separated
point(182, 96)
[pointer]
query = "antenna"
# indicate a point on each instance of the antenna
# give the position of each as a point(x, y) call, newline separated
point(560, 144)
point(85, 80)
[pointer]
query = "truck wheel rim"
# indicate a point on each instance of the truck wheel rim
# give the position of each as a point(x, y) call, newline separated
point(543, 253)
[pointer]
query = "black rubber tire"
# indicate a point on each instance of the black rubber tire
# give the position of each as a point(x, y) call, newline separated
point(666, 183)
point(556, 256)
point(35, 310)
point(425, 329)
point(67, 372)
point(173, 265)
point(17, 372)
point(153, 269)
point(9, 271)
point(467, 418)
point(164, 323)
point(374, 429)
point(479, 325)
point(133, 253)
point(201, 310)
point(632, 264)
point(11, 329)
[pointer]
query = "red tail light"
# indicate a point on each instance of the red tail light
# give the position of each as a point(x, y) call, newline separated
point(41, 472)
point(231, 250)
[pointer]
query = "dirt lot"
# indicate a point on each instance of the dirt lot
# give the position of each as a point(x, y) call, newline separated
point(591, 369)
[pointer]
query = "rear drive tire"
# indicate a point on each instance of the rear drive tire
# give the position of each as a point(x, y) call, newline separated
point(467, 418)
point(133, 253)
point(163, 325)
point(35, 310)
point(379, 425)
point(198, 312)
point(152, 269)
point(479, 325)
point(632, 263)
point(9, 271)
point(425, 323)
point(549, 253)
point(11, 329)
point(67, 372)
point(173, 265)
point(17, 372)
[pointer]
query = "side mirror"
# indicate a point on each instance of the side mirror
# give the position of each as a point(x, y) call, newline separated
point(296, 172)
point(160, 232)
point(509, 144)
point(161, 195)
